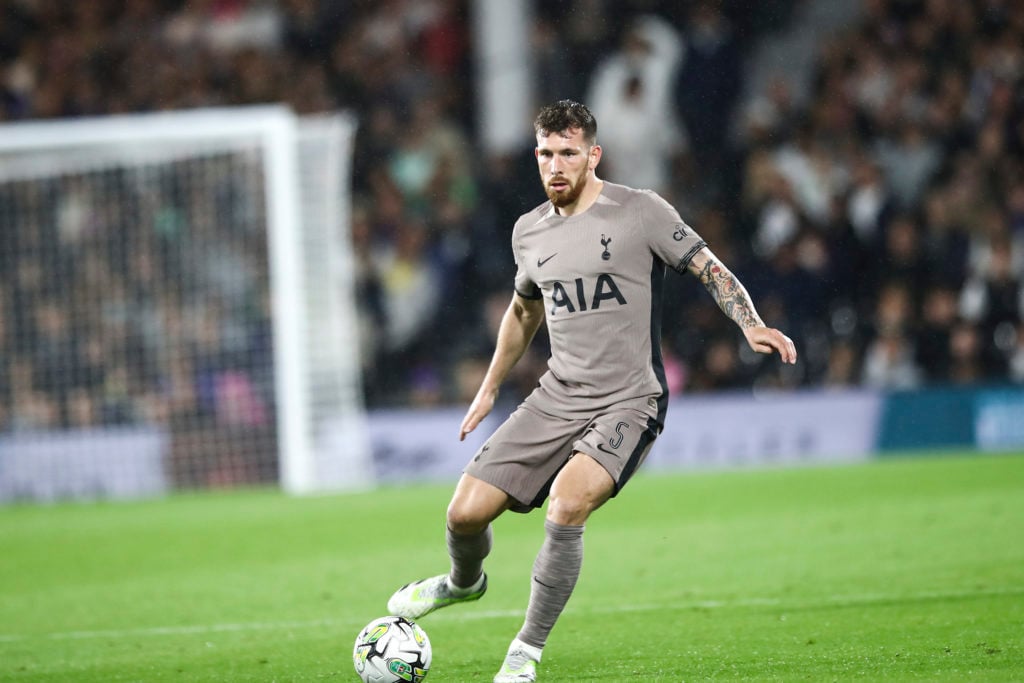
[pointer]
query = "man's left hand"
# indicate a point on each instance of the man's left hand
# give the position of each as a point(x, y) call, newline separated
point(768, 339)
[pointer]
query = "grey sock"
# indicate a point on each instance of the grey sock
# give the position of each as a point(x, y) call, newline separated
point(467, 552)
point(554, 576)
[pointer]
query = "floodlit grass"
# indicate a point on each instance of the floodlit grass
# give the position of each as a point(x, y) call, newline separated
point(907, 569)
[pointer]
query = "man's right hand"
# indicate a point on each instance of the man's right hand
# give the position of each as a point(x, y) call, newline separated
point(478, 410)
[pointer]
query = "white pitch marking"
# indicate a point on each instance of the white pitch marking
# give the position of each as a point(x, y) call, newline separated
point(849, 599)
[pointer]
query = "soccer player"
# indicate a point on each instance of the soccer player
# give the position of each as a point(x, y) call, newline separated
point(591, 261)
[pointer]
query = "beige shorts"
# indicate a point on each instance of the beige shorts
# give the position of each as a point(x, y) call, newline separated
point(526, 453)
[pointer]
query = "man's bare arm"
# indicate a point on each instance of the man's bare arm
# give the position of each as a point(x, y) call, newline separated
point(732, 297)
point(518, 327)
point(725, 289)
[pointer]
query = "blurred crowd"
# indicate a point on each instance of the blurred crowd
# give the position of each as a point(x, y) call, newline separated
point(885, 216)
point(879, 221)
point(152, 309)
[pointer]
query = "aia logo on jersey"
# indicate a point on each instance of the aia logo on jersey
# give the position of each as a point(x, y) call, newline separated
point(581, 295)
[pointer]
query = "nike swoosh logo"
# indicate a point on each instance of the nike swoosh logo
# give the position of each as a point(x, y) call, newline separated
point(542, 583)
point(541, 263)
point(601, 448)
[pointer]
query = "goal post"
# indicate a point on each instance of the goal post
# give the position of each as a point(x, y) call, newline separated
point(339, 455)
point(204, 299)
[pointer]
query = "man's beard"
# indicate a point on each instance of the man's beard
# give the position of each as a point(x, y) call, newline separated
point(567, 196)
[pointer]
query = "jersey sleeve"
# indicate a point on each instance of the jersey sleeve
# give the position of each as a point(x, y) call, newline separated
point(671, 239)
point(525, 287)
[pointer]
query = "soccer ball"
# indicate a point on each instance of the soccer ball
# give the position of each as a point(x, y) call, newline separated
point(392, 650)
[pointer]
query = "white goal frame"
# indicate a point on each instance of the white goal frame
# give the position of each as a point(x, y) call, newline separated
point(302, 469)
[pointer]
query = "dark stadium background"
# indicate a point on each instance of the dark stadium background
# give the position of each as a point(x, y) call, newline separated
point(859, 165)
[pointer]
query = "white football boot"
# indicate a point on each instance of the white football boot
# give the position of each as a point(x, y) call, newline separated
point(417, 599)
point(520, 665)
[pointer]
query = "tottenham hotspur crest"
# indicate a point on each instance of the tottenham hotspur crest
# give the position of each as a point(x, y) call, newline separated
point(605, 241)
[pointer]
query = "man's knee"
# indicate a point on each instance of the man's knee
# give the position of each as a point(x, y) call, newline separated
point(467, 519)
point(569, 509)
point(581, 487)
point(474, 505)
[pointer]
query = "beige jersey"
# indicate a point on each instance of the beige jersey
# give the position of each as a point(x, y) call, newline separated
point(600, 274)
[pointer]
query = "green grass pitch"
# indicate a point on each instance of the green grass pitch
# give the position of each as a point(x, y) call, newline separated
point(905, 569)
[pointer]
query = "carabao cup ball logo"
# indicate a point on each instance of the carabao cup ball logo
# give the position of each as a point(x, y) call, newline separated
point(392, 650)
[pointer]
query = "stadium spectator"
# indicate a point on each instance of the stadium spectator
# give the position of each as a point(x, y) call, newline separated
point(632, 90)
point(843, 369)
point(709, 83)
point(1016, 364)
point(967, 355)
point(939, 314)
point(551, 59)
point(889, 361)
point(993, 300)
point(411, 284)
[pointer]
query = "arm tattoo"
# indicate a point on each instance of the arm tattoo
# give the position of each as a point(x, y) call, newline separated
point(729, 294)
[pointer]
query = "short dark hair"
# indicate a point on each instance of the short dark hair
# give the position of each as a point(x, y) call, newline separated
point(565, 115)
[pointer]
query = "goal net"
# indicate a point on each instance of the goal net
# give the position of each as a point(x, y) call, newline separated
point(176, 305)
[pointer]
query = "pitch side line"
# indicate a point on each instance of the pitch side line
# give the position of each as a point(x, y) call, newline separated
point(860, 599)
